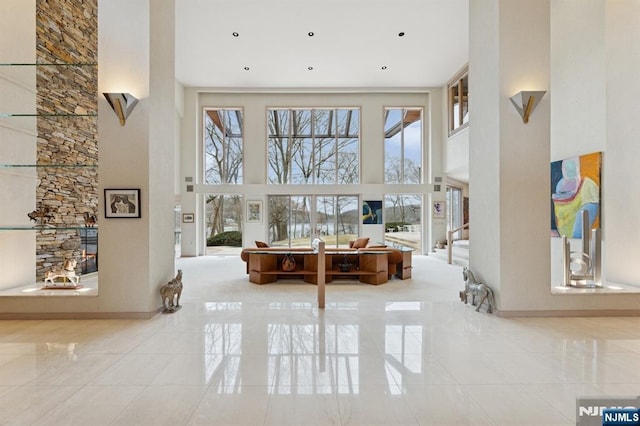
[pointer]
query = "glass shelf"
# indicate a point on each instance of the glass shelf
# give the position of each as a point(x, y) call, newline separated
point(66, 114)
point(45, 227)
point(60, 166)
point(49, 64)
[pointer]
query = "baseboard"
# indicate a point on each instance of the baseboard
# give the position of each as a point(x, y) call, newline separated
point(77, 315)
point(569, 313)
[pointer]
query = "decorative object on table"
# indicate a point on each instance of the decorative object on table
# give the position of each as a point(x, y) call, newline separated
point(474, 288)
point(315, 244)
point(288, 263)
point(583, 268)
point(345, 266)
point(90, 219)
point(254, 211)
point(122, 203)
point(67, 273)
point(440, 244)
point(41, 215)
point(170, 293)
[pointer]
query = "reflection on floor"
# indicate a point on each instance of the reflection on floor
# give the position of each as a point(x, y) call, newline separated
point(406, 352)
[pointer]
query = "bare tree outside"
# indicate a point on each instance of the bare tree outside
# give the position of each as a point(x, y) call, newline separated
point(223, 140)
point(308, 146)
point(403, 145)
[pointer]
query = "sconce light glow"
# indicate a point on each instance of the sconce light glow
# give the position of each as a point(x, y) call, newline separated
point(525, 102)
point(122, 104)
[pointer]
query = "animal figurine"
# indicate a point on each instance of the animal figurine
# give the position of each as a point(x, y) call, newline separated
point(172, 291)
point(68, 272)
point(41, 215)
point(474, 288)
point(90, 219)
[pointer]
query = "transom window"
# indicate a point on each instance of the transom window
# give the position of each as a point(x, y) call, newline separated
point(458, 90)
point(223, 139)
point(313, 146)
point(403, 145)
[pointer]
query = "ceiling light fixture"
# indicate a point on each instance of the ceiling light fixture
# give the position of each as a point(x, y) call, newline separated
point(384, 67)
point(310, 34)
point(235, 34)
point(310, 68)
point(401, 34)
point(122, 104)
point(525, 102)
point(246, 68)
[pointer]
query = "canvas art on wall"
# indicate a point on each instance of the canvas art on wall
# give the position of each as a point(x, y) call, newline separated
point(575, 187)
point(371, 212)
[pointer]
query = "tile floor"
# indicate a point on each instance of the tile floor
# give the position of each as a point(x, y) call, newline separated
point(403, 353)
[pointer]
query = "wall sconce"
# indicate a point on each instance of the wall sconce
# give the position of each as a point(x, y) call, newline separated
point(525, 102)
point(122, 104)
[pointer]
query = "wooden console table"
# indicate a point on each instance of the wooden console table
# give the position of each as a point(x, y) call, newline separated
point(369, 267)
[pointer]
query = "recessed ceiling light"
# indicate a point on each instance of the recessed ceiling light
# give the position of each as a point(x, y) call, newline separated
point(235, 34)
point(384, 67)
point(310, 68)
point(401, 34)
point(246, 68)
point(310, 34)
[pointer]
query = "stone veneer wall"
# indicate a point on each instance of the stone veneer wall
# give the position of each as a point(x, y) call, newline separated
point(66, 35)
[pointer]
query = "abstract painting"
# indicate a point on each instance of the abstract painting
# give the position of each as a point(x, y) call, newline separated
point(575, 187)
point(371, 212)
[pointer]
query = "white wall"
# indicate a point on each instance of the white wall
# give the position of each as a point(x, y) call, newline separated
point(595, 45)
point(136, 255)
point(17, 142)
point(255, 166)
point(621, 205)
point(457, 156)
point(577, 51)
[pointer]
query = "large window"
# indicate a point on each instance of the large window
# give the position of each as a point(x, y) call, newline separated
point(458, 90)
point(403, 213)
point(313, 146)
point(454, 213)
point(223, 220)
point(223, 146)
point(296, 220)
point(403, 145)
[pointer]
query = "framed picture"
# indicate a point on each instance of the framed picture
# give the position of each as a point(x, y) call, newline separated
point(372, 212)
point(122, 203)
point(254, 211)
point(439, 210)
point(188, 217)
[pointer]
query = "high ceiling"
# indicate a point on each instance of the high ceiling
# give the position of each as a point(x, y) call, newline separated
point(352, 41)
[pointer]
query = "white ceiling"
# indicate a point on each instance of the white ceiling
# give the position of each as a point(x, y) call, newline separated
point(353, 40)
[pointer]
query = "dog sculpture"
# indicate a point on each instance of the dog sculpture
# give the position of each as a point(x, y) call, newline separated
point(474, 288)
point(170, 293)
point(90, 219)
point(68, 272)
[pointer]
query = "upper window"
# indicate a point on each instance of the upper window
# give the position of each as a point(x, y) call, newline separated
point(459, 102)
point(402, 145)
point(223, 146)
point(313, 146)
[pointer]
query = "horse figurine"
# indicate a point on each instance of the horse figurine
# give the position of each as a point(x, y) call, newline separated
point(170, 291)
point(474, 288)
point(42, 214)
point(68, 272)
